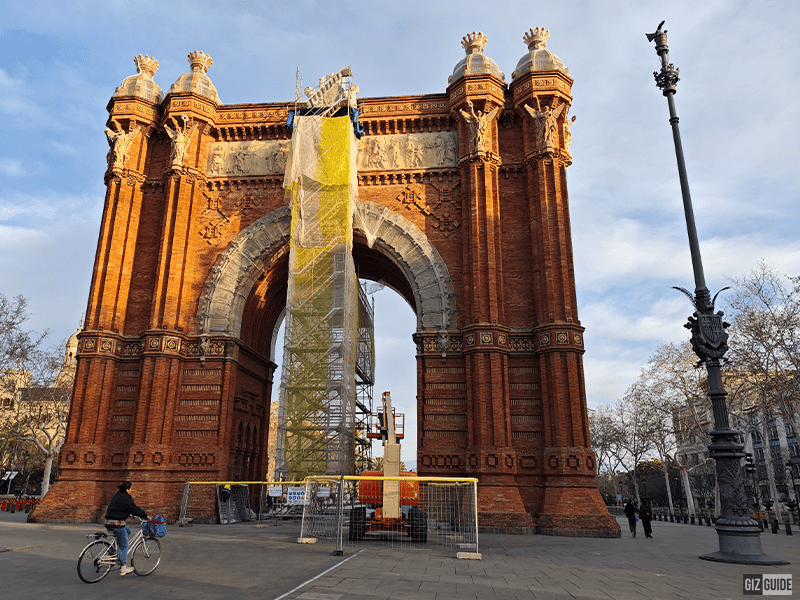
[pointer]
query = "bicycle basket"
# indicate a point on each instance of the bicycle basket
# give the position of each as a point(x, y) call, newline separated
point(157, 527)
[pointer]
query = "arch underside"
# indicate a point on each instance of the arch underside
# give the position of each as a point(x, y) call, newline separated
point(401, 256)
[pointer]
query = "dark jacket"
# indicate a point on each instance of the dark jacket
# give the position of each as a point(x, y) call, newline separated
point(644, 514)
point(630, 509)
point(122, 506)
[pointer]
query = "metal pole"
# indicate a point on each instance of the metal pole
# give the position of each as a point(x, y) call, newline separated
point(261, 503)
point(739, 535)
point(339, 518)
point(475, 509)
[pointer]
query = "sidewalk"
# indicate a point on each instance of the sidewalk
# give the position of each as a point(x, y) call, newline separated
point(241, 561)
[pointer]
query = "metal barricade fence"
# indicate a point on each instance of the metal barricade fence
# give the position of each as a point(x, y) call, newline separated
point(234, 501)
point(436, 512)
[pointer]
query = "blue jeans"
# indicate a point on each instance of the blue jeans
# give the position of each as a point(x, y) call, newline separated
point(122, 542)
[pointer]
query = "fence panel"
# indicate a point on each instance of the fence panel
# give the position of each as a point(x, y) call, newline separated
point(437, 513)
point(234, 501)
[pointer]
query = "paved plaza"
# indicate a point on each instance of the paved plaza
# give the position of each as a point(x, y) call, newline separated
point(242, 561)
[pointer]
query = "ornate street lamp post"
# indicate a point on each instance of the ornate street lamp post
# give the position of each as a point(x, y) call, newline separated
point(739, 535)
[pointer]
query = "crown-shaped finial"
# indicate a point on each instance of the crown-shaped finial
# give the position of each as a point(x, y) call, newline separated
point(145, 64)
point(199, 60)
point(536, 38)
point(474, 42)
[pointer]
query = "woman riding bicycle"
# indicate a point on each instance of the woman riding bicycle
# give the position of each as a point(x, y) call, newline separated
point(119, 509)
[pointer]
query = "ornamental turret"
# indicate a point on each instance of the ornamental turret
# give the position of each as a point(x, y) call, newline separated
point(476, 62)
point(196, 80)
point(142, 85)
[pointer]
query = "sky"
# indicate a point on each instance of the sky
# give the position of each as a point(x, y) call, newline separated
point(737, 101)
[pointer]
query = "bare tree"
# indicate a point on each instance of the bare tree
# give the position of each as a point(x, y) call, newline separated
point(765, 338)
point(635, 422)
point(605, 433)
point(35, 388)
point(43, 406)
point(15, 342)
point(673, 388)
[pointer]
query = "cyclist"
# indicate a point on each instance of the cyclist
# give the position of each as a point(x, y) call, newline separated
point(120, 507)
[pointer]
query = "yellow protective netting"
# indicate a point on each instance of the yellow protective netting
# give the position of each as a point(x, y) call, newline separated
point(316, 415)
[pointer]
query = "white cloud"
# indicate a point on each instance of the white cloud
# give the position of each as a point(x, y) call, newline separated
point(14, 95)
point(11, 167)
point(65, 149)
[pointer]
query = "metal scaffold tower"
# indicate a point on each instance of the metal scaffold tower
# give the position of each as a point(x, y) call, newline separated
point(365, 379)
point(316, 413)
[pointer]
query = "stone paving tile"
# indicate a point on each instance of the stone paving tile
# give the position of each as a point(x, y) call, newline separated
point(404, 594)
point(213, 561)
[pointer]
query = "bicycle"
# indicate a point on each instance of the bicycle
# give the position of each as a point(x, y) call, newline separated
point(100, 555)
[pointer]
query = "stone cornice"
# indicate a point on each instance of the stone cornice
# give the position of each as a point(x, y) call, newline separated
point(108, 344)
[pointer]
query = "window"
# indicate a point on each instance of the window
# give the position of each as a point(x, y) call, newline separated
point(758, 452)
point(756, 436)
point(772, 429)
point(790, 431)
point(794, 448)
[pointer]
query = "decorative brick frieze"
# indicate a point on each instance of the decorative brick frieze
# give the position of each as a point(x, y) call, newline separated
point(559, 337)
point(486, 338)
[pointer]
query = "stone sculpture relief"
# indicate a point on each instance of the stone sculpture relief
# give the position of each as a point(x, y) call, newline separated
point(376, 153)
point(180, 136)
point(546, 124)
point(248, 158)
point(120, 141)
point(408, 151)
point(478, 125)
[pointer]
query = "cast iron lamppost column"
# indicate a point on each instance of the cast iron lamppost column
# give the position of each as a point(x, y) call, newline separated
point(739, 535)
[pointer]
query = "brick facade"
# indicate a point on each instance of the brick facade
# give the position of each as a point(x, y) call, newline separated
point(163, 397)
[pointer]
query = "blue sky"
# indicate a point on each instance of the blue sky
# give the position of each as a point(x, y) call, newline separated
point(737, 100)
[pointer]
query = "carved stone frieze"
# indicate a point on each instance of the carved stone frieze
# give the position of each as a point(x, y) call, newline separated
point(239, 159)
point(522, 344)
point(408, 151)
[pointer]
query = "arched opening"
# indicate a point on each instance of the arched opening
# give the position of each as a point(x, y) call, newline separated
point(245, 298)
point(395, 369)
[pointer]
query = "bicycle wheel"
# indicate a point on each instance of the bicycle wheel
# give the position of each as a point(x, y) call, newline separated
point(95, 561)
point(146, 556)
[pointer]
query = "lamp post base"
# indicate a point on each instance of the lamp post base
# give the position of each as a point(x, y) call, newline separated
point(740, 543)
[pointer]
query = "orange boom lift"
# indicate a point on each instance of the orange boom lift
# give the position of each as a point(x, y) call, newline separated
point(383, 500)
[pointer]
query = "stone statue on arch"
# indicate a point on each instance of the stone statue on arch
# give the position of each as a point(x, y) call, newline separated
point(546, 122)
point(478, 125)
point(180, 136)
point(120, 141)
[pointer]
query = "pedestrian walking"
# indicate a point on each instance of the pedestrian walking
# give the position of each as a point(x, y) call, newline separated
point(630, 512)
point(646, 516)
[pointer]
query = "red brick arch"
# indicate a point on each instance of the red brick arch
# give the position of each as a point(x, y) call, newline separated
point(471, 228)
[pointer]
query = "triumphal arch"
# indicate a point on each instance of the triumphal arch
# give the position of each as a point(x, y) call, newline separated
point(462, 209)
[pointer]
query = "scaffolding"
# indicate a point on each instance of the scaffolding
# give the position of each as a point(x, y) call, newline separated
point(365, 379)
point(316, 412)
